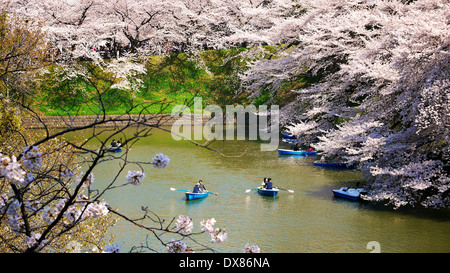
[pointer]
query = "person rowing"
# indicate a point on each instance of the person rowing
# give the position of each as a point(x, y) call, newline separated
point(269, 184)
point(113, 143)
point(202, 186)
point(199, 187)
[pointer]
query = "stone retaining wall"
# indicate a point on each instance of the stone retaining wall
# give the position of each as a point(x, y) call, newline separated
point(109, 121)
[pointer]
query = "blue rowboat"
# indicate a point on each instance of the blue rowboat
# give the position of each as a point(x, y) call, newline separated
point(352, 194)
point(292, 152)
point(288, 135)
point(335, 165)
point(290, 141)
point(266, 192)
point(114, 149)
point(198, 195)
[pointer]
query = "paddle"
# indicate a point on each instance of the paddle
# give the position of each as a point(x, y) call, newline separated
point(291, 191)
point(173, 189)
point(249, 190)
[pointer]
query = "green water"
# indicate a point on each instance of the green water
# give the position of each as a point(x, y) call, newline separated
point(309, 220)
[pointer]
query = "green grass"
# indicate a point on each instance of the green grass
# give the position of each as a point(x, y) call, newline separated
point(169, 81)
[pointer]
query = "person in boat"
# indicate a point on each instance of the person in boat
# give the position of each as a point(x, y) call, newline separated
point(197, 188)
point(296, 147)
point(269, 184)
point(263, 184)
point(310, 149)
point(113, 143)
point(201, 185)
point(119, 143)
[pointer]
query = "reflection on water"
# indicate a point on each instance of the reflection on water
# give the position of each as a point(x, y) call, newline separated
point(194, 203)
point(309, 220)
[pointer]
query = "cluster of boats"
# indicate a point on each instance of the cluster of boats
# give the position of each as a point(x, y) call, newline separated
point(190, 195)
point(292, 139)
point(289, 138)
point(344, 192)
point(265, 192)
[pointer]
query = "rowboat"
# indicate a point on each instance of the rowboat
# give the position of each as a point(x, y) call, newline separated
point(290, 140)
point(288, 135)
point(352, 194)
point(335, 165)
point(114, 149)
point(192, 195)
point(292, 152)
point(267, 192)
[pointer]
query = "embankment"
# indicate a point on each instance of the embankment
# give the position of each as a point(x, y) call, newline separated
point(102, 121)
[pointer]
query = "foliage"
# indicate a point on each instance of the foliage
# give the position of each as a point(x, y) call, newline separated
point(37, 188)
point(174, 79)
point(9, 121)
point(23, 50)
point(66, 92)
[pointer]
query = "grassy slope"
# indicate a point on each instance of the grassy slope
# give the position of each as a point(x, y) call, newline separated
point(173, 79)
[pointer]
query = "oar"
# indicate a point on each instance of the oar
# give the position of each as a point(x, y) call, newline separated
point(291, 191)
point(173, 189)
point(249, 190)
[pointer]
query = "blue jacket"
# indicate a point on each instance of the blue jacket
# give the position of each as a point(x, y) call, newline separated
point(269, 185)
point(196, 189)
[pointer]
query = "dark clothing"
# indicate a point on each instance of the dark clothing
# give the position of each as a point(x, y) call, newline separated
point(202, 187)
point(268, 186)
point(196, 189)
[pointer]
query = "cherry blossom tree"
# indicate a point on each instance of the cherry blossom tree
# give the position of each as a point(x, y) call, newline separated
point(49, 201)
point(79, 26)
point(376, 92)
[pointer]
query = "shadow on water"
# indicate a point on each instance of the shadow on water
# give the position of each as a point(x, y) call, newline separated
point(195, 202)
point(268, 199)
